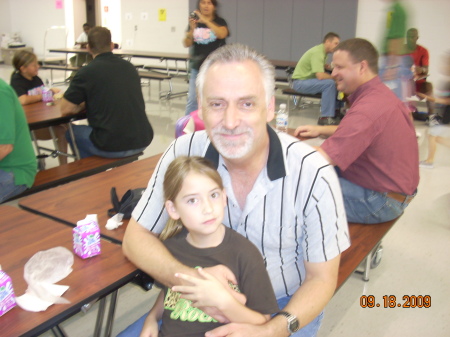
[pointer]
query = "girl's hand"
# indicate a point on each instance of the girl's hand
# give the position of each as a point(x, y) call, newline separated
point(150, 328)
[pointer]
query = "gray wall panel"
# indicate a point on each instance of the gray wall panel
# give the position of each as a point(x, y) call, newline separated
point(250, 23)
point(340, 17)
point(285, 29)
point(307, 27)
point(277, 30)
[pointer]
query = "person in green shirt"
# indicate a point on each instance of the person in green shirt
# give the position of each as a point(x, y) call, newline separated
point(18, 164)
point(395, 63)
point(310, 77)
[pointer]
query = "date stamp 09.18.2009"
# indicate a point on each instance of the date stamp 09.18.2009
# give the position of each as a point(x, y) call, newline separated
point(390, 301)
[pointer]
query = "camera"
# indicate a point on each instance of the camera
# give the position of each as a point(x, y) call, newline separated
point(194, 16)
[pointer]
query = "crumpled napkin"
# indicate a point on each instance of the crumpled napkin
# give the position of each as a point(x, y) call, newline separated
point(114, 222)
point(41, 272)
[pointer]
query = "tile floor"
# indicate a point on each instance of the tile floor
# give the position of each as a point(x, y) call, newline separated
point(415, 252)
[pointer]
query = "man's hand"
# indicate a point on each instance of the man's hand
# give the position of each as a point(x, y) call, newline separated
point(208, 292)
point(203, 291)
point(307, 131)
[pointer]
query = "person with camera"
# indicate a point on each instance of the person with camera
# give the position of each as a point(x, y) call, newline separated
point(206, 32)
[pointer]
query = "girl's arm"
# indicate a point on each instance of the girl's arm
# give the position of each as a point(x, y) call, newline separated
point(150, 328)
point(29, 99)
point(207, 291)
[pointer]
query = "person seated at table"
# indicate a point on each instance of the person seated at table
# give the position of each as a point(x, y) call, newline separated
point(109, 89)
point(18, 163)
point(195, 200)
point(28, 86)
point(310, 77)
point(81, 58)
point(374, 147)
point(420, 58)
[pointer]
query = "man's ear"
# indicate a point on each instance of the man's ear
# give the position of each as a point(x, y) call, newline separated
point(171, 209)
point(200, 109)
point(271, 109)
point(364, 66)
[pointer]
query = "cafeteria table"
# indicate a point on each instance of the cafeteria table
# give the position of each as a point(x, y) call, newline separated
point(71, 202)
point(41, 115)
point(22, 234)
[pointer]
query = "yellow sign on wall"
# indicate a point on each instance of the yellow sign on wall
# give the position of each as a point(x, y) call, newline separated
point(162, 14)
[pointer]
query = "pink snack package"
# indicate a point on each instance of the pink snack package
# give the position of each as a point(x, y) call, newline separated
point(7, 298)
point(86, 237)
point(47, 95)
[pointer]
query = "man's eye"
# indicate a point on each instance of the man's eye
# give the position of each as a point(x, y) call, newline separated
point(216, 105)
point(248, 104)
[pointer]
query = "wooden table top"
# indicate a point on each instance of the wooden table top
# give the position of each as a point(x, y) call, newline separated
point(40, 115)
point(71, 202)
point(23, 234)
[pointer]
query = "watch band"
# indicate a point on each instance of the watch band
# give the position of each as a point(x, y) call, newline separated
point(293, 323)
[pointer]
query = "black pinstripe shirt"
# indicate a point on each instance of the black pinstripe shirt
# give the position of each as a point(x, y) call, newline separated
point(294, 212)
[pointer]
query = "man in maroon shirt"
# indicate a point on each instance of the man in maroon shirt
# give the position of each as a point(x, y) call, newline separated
point(420, 58)
point(374, 147)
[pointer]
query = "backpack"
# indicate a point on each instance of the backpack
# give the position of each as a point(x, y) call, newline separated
point(127, 203)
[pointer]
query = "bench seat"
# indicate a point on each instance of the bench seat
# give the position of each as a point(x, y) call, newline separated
point(153, 75)
point(65, 173)
point(298, 95)
point(365, 240)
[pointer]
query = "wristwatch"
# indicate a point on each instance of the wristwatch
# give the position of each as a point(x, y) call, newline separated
point(293, 324)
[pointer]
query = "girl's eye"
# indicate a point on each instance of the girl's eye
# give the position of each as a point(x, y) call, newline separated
point(192, 201)
point(215, 195)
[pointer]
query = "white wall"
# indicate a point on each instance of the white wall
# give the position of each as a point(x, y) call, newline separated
point(32, 18)
point(141, 29)
point(430, 17)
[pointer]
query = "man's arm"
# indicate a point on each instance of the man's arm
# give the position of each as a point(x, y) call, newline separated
point(323, 76)
point(314, 131)
point(5, 149)
point(69, 108)
point(306, 304)
point(148, 253)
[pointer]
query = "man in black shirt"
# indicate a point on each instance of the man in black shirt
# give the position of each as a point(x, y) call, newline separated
point(110, 91)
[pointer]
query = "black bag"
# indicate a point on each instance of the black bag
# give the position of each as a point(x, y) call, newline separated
point(127, 203)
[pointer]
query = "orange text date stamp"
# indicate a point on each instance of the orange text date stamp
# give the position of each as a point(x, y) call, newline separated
point(391, 301)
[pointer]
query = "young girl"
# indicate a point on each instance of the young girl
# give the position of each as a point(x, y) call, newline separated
point(28, 87)
point(195, 200)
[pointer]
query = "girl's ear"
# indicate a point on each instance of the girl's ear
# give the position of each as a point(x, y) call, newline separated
point(171, 209)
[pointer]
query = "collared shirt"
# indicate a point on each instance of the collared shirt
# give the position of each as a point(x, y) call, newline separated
point(312, 62)
point(293, 213)
point(115, 106)
point(375, 145)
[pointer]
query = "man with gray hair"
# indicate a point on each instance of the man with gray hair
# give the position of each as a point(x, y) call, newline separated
point(282, 195)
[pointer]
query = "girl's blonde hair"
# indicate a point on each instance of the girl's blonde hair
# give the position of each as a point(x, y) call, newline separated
point(175, 175)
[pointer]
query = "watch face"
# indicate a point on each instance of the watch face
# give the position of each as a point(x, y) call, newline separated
point(293, 326)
